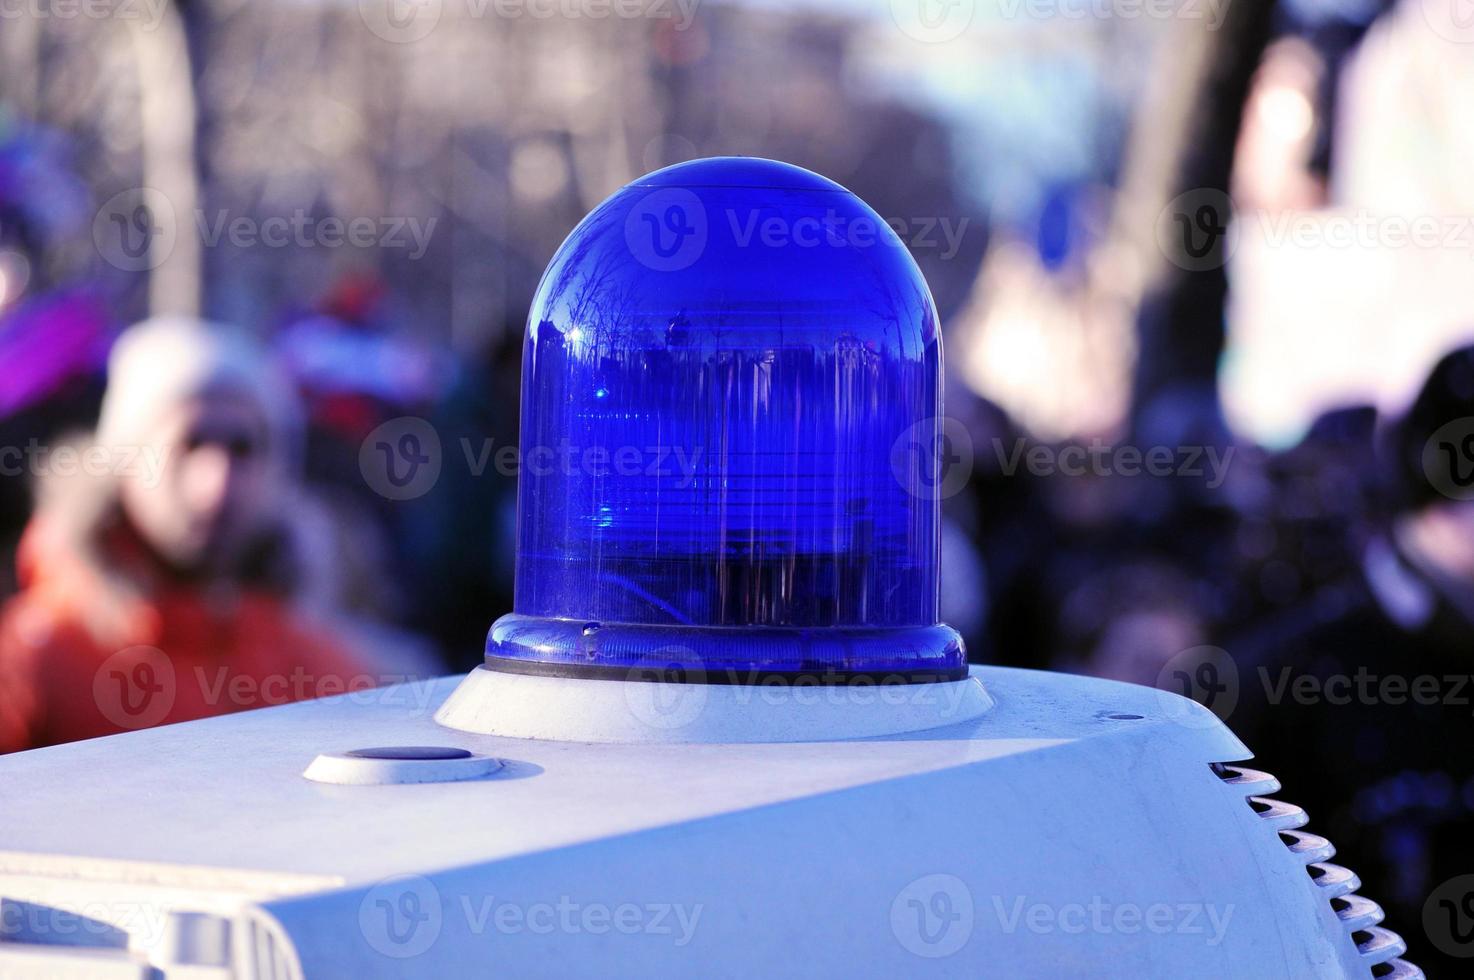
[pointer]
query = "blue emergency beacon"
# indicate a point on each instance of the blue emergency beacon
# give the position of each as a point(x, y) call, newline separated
point(731, 394)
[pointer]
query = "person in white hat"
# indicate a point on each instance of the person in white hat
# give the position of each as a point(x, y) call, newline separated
point(158, 572)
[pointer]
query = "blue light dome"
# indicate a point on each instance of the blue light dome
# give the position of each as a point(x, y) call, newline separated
point(731, 403)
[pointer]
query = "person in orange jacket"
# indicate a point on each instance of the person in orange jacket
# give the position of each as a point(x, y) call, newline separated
point(158, 572)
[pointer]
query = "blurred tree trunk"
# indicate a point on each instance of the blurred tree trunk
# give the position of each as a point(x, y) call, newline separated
point(20, 56)
point(168, 127)
point(1183, 141)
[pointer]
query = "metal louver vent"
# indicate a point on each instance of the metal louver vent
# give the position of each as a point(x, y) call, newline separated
point(269, 955)
point(1379, 948)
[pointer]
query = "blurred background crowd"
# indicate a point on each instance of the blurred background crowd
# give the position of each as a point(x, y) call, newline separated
point(1203, 269)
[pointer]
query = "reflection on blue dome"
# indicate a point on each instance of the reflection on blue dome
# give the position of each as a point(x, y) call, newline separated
point(730, 400)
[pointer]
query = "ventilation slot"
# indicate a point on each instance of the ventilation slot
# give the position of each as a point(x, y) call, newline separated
point(1357, 912)
point(1377, 944)
point(1279, 814)
point(1397, 970)
point(1378, 948)
point(1309, 848)
point(269, 957)
point(1334, 880)
point(1251, 781)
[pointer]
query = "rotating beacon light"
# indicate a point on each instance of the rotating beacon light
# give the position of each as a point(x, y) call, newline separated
point(731, 401)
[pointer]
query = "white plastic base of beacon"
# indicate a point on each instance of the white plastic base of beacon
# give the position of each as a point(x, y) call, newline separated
point(562, 709)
